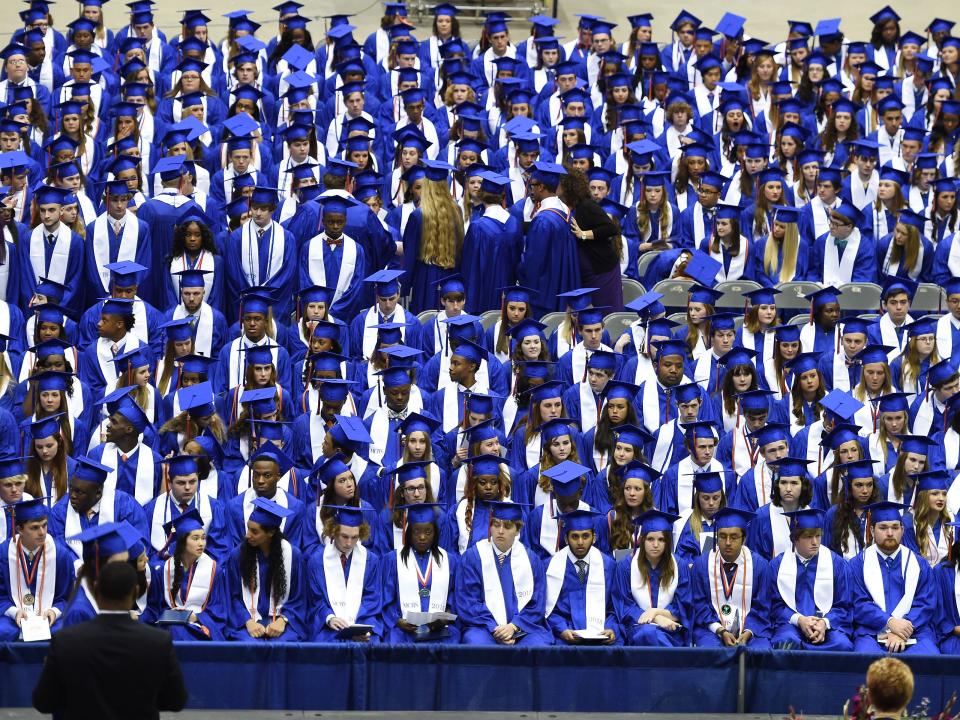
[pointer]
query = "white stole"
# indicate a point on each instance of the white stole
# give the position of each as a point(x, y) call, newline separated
point(493, 590)
point(836, 270)
point(370, 332)
point(60, 257)
point(101, 244)
point(318, 270)
point(71, 524)
point(201, 584)
point(280, 498)
point(642, 594)
point(143, 487)
point(873, 579)
point(596, 589)
point(250, 255)
point(205, 261)
point(345, 596)
point(161, 515)
point(408, 586)
point(741, 595)
point(276, 607)
point(46, 577)
point(822, 583)
point(203, 328)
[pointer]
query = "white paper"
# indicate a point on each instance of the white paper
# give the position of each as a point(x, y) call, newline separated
point(35, 628)
point(590, 635)
point(425, 618)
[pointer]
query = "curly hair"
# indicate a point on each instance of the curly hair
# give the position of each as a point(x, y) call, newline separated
point(275, 569)
point(441, 238)
point(890, 684)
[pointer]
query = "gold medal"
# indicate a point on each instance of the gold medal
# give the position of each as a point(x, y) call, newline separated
point(28, 599)
point(725, 609)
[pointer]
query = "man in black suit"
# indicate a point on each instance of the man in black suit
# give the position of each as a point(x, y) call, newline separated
point(111, 666)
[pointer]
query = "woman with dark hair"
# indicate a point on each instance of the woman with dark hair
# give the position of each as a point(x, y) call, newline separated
point(194, 248)
point(618, 410)
point(597, 242)
point(632, 498)
point(739, 376)
point(727, 245)
point(190, 579)
point(468, 522)
point(928, 530)
point(419, 577)
point(769, 533)
point(845, 526)
point(809, 388)
point(652, 591)
point(884, 38)
point(336, 487)
point(265, 577)
point(912, 461)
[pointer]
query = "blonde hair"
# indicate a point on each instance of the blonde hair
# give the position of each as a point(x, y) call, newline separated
point(791, 248)
point(441, 238)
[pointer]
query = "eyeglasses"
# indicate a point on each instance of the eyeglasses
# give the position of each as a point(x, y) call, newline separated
point(685, 32)
point(840, 223)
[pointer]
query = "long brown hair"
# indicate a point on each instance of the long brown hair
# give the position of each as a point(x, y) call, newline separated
point(666, 562)
point(58, 470)
point(924, 519)
point(621, 524)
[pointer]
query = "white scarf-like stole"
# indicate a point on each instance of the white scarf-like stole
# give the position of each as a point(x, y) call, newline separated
point(203, 329)
point(888, 336)
point(46, 583)
point(345, 595)
point(101, 244)
point(71, 525)
point(663, 448)
point(201, 585)
point(162, 515)
point(578, 359)
point(862, 196)
point(59, 258)
point(780, 529)
point(370, 332)
point(836, 270)
point(318, 270)
point(738, 262)
point(741, 595)
point(642, 595)
point(493, 590)
point(550, 523)
point(822, 583)
point(275, 607)
point(143, 487)
point(873, 579)
point(945, 327)
point(596, 590)
point(250, 255)
point(408, 585)
point(588, 407)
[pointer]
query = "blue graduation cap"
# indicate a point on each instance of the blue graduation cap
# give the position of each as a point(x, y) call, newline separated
point(197, 400)
point(885, 511)
point(730, 517)
point(579, 520)
point(805, 519)
point(655, 521)
point(269, 514)
point(565, 477)
point(708, 482)
point(486, 465)
point(89, 470)
point(703, 269)
point(506, 510)
point(936, 479)
point(873, 354)
point(636, 470)
point(107, 539)
point(349, 432)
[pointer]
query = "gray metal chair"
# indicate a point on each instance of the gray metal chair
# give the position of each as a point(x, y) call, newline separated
point(552, 320)
point(860, 297)
point(799, 320)
point(675, 292)
point(631, 289)
point(489, 319)
point(793, 294)
point(733, 291)
point(679, 318)
point(616, 323)
point(425, 316)
point(644, 262)
point(929, 298)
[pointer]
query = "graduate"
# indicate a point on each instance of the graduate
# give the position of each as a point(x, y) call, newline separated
point(261, 254)
point(580, 582)
point(892, 609)
point(755, 488)
point(89, 503)
point(948, 325)
point(790, 491)
point(843, 255)
point(116, 337)
point(657, 397)
point(206, 326)
point(448, 402)
point(548, 239)
point(542, 529)
point(675, 493)
point(501, 592)
point(731, 600)
point(135, 468)
point(53, 251)
point(265, 580)
point(344, 587)
point(335, 260)
point(190, 579)
point(115, 236)
point(36, 571)
point(652, 592)
point(102, 544)
point(810, 601)
point(949, 609)
point(257, 319)
point(419, 576)
point(694, 532)
point(364, 328)
point(926, 530)
point(184, 497)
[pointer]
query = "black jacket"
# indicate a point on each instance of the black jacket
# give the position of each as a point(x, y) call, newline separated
point(110, 667)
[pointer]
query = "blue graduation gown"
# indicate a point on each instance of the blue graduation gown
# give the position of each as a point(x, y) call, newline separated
point(294, 609)
point(293, 530)
point(74, 295)
point(570, 612)
point(350, 303)
point(477, 620)
point(550, 263)
point(838, 635)
point(61, 574)
point(491, 251)
point(391, 596)
point(281, 279)
point(869, 620)
point(421, 277)
point(212, 617)
point(142, 255)
point(369, 612)
point(688, 547)
point(948, 614)
point(90, 318)
point(219, 542)
point(864, 266)
point(757, 620)
point(127, 471)
point(628, 612)
point(124, 508)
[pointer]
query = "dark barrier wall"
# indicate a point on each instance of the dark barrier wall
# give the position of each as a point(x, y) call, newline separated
point(339, 677)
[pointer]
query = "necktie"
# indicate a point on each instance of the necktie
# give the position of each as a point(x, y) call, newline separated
point(123, 457)
point(581, 570)
point(501, 558)
point(50, 238)
point(117, 227)
point(900, 335)
point(114, 349)
point(260, 232)
point(841, 245)
point(343, 560)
